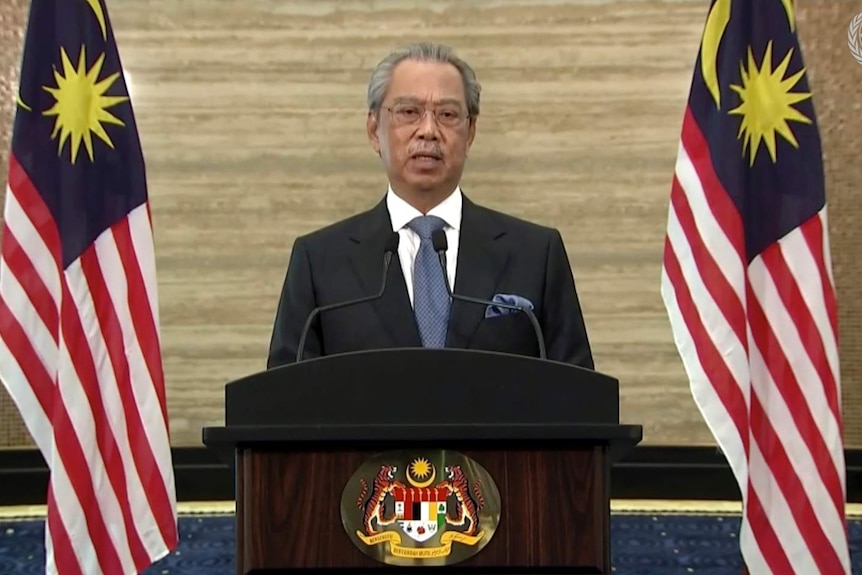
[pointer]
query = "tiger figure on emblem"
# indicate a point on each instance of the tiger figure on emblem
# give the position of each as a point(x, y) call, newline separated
point(469, 502)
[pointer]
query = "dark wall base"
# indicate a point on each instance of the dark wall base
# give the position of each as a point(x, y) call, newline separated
point(199, 473)
point(648, 472)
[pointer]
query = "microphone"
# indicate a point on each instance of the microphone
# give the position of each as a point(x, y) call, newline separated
point(438, 238)
point(390, 249)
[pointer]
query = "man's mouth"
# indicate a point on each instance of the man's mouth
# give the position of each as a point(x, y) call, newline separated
point(426, 157)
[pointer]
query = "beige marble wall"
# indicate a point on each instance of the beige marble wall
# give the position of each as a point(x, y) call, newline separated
point(252, 113)
point(13, 18)
point(836, 78)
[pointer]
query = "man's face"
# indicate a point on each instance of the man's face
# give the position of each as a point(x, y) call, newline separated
point(428, 154)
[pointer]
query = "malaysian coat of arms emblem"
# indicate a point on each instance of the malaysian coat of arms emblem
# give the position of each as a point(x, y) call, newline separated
point(428, 508)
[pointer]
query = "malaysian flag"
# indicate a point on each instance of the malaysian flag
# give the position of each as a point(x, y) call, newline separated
point(748, 286)
point(79, 327)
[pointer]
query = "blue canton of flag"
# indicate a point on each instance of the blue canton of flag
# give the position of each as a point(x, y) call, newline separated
point(747, 283)
point(79, 328)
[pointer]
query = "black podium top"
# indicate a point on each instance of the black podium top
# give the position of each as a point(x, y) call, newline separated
point(423, 386)
point(422, 395)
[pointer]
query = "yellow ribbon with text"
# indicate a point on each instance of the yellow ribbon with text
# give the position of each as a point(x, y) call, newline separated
point(397, 550)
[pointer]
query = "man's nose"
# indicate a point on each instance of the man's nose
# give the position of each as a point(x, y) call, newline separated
point(428, 125)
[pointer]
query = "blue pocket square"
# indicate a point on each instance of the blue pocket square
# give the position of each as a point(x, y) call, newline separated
point(510, 299)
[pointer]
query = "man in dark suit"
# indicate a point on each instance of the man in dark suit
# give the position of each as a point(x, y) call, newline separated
point(423, 105)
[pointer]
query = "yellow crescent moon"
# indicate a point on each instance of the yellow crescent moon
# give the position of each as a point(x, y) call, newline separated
point(716, 24)
point(21, 103)
point(791, 19)
point(423, 483)
point(100, 16)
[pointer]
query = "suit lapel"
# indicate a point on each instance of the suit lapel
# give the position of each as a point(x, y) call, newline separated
point(394, 307)
point(481, 261)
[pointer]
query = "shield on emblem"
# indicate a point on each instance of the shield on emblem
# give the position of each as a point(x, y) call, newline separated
point(420, 512)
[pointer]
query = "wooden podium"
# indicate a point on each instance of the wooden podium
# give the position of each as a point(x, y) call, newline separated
point(544, 433)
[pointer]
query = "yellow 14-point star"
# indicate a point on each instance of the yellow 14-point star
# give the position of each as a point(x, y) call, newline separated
point(81, 105)
point(420, 468)
point(767, 103)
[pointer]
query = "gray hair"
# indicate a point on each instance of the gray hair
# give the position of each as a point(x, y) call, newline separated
point(426, 51)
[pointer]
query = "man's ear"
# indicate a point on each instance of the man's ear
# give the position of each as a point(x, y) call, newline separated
point(371, 125)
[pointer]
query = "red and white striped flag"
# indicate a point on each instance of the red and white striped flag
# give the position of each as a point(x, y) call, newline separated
point(747, 283)
point(79, 326)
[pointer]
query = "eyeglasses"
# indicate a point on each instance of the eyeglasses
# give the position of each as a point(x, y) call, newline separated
point(406, 114)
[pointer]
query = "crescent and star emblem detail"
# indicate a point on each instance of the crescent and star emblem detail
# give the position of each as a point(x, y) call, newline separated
point(418, 470)
point(716, 24)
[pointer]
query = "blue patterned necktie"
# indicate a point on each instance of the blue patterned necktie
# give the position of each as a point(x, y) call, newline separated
point(430, 297)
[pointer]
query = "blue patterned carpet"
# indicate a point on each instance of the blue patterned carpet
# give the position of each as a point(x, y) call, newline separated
point(642, 545)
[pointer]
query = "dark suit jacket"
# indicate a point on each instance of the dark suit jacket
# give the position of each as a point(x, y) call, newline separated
point(497, 254)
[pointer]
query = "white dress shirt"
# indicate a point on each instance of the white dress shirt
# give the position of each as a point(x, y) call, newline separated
point(401, 213)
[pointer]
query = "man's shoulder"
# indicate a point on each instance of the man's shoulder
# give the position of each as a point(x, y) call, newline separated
point(520, 227)
point(339, 230)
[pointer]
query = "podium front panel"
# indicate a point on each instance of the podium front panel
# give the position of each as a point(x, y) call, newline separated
point(554, 511)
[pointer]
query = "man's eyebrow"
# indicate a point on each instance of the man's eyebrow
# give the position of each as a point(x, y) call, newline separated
point(414, 100)
point(449, 101)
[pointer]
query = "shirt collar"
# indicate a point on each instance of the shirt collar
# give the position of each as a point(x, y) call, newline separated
point(401, 213)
